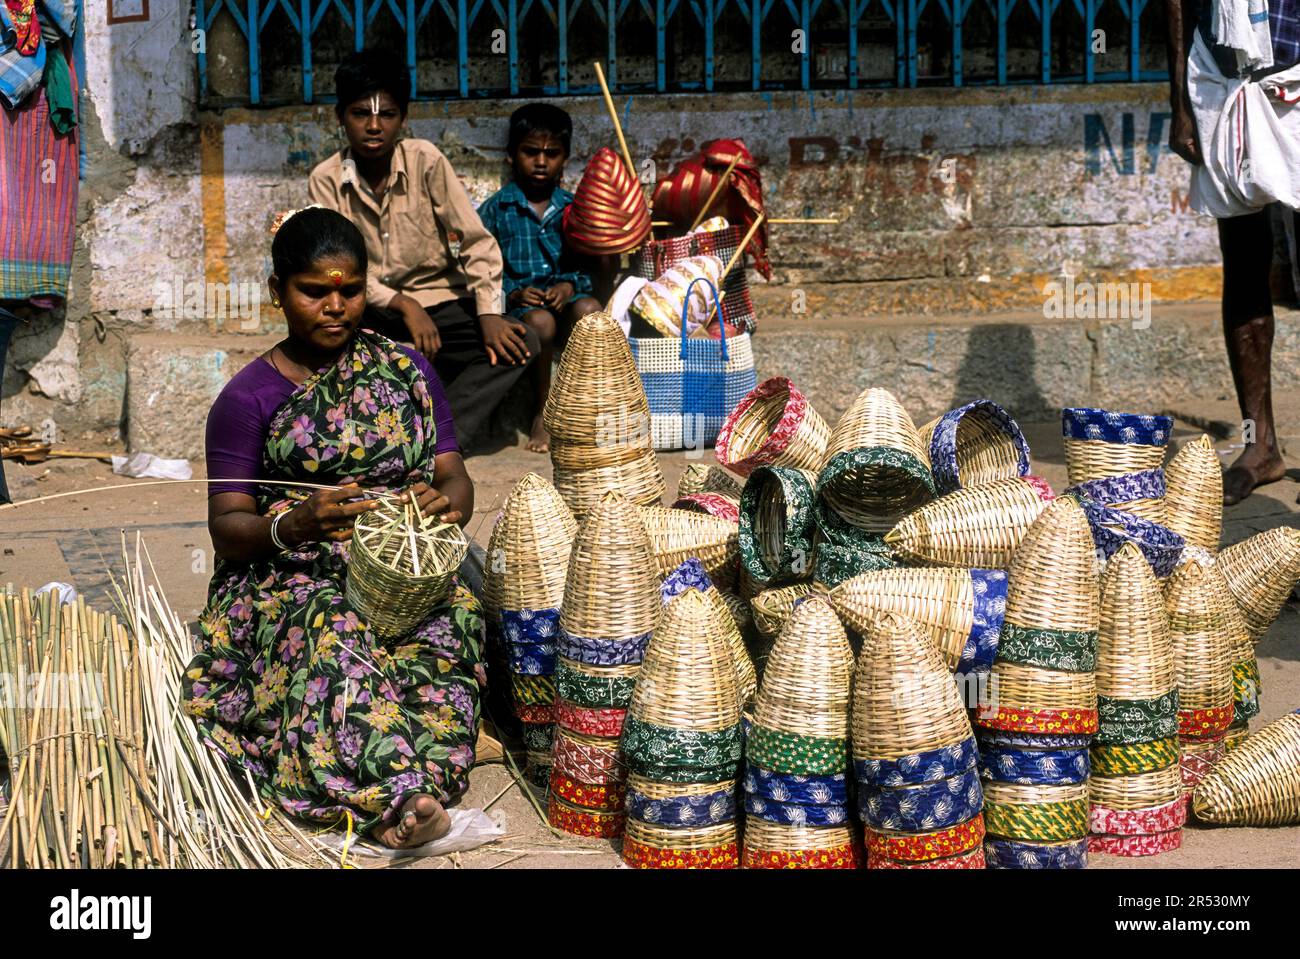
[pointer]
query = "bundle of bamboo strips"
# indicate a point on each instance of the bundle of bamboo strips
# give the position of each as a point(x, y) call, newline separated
point(105, 769)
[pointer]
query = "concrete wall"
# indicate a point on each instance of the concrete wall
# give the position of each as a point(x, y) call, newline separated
point(952, 202)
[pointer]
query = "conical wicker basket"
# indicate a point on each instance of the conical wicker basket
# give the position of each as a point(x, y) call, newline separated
point(611, 591)
point(974, 444)
point(774, 425)
point(691, 574)
point(402, 566)
point(740, 612)
point(777, 529)
point(807, 685)
point(1203, 623)
point(980, 526)
point(701, 478)
point(1135, 654)
point(770, 845)
point(528, 552)
point(687, 680)
point(876, 468)
point(1053, 580)
point(677, 535)
point(904, 699)
point(596, 398)
point(940, 601)
point(1102, 443)
point(1194, 494)
point(1261, 572)
point(1258, 783)
point(772, 607)
point(640, 480)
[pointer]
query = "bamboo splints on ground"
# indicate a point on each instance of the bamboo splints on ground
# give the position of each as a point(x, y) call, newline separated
point(105, 771)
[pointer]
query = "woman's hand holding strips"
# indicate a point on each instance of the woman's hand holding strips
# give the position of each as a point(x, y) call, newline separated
point(327, 515)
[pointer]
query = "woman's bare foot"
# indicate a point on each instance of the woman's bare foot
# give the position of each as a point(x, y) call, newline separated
point(421, 820)
point(1251, 470)
point(540, 440)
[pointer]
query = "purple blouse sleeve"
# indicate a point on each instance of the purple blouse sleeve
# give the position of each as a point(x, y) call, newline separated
point(236, 433)
point(441, 408)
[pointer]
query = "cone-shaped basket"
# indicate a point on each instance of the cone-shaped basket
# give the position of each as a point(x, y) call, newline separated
point(1203, 625)
point(904, 699)
point(641, 481)
point(940, 601)
point(677, 535)
point(1261, 572)
point(611, 591)
point(1258, 783)
point(807, 684)
point(1194, 494)
point(528, 552)
point(1135, 654)
point(597, 398)
point(700, 478)
point(692, 574)
point(777, 529)
point(1102, 443)
point(687, 680)
point(774, 425)
point(980, 526)
point(974, 444)
point(876, 468)
point(772, 607)
point(609, 213)
point(1053, 581)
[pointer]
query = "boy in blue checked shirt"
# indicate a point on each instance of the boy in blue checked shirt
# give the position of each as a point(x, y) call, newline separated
point(542, 282)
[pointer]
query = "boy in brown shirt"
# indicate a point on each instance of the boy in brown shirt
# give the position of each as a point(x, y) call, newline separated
point(435, 272)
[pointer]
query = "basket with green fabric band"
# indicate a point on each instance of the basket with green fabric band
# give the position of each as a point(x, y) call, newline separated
point(835, 564)
point(1194, 494)
point(1261, 572)
point(792, 754)
point(1131, 759)
point(941, 601)
point(980, 526)
point(678, 535)
point(807, 685)
point(595, 687)
point(777, 533)
point(1258, 783)
point(904, 699)
point(1036, 813)
point(1205, 626)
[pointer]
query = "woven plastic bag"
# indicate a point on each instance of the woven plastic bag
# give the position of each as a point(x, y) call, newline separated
point(692, 384)
point(658, 256)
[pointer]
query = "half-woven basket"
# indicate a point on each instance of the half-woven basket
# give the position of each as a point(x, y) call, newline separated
point(940, 601)
point(611, 591)
point(876, 467)
point(904, 699)
point(807, 684)
point(974, 444)
point(691, 574)
point(1102, 443)
point(703, 478)
point(1203, 625)
point(677, 535)
point(979, 526)
point(1135, 653)
point(641, 481)
point(1261, 572)
point(1194, 494)
point(528, 552)
point(1258, 783)
point(774, 425)
point(597, 398)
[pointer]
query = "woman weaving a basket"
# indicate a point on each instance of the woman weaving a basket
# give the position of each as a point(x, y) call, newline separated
point(291, 684)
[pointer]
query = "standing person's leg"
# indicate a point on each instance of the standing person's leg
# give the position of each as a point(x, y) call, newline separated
point(474, 386)
point(8, 322)
point(1247, 245)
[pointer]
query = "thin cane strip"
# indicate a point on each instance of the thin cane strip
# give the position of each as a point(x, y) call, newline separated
point(1137, 791)
point(942, 601)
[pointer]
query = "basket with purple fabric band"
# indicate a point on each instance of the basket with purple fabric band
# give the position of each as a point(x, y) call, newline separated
point(974, 444)
point(1101, 443)
point(1112, 528)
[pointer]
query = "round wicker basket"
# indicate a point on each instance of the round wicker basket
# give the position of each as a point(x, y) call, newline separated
point(1202, 622)
point(940, 601)
point(777, 522)
point(1194, 494)
point(980, 526)
point(974, 444)
point(1261, 572)
point(1102, 443)
point(904, 699)
point(402, 566)
point(596, 398)
point(807, 684)
point(611, 591)
point(1135, 654)
point(528, 552)
point(677, 535)
point(774, 425)
point(1258, 783)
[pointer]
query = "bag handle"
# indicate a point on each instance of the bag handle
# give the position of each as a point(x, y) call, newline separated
point(717, 306)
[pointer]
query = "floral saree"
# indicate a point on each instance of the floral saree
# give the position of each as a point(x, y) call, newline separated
point(289, 683)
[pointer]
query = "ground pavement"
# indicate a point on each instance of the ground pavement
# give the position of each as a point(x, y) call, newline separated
point(78, 540)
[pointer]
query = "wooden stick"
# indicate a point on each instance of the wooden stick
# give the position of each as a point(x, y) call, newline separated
point(735, 258)
point(717, 188)
point(613, 115)
point(775, 221)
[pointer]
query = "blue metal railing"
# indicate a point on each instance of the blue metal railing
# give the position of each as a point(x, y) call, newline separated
point(699, 23)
